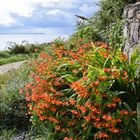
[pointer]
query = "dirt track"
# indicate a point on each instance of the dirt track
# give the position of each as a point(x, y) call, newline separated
point(7, 67)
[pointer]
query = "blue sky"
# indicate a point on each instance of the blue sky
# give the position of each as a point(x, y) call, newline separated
point(43, 16)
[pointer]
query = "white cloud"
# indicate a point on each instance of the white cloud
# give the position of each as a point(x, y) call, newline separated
point(27, 7)
point(53, 12)
point(25, 13)
point(8, 7)
point(6, 19)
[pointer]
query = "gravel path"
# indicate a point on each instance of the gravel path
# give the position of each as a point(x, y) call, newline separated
point(7, 67)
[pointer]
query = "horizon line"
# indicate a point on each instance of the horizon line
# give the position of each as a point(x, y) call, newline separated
point(22, 33)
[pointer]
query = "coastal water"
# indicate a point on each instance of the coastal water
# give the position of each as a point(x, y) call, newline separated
point(18, 38)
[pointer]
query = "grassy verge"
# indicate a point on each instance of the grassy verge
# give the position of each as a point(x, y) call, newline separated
point(20, 52)
point(13, 58)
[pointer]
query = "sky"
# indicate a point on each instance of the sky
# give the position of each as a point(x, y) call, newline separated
point(43, 16)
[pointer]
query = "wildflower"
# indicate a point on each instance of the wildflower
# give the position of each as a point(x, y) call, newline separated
point(87, 118)
point(82, 108)
point(74, 112)
point(125, 73)
point(123, 57)
point(20, 91)
point(36, 49)
point(72, 101)
point(102, 77)
point(106, 69)
point(97, 124)
point(116, 99)
point(124, 112)
point(107, 117)
point(101, 135)
point(72, 122)
point(32, 75)
point(113, 130)
point(57, 127)
point(53, 119)
point(66, 138)
point(88, 104)
point(105, 125)
point(111, 105)
point(96, 83)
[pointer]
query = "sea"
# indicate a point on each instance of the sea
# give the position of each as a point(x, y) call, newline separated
point(6, 39)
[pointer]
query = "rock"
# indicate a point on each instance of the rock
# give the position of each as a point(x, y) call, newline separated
point(131, 28)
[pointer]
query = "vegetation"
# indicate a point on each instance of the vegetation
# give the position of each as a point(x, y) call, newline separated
point(20, 52)
point(80, 89)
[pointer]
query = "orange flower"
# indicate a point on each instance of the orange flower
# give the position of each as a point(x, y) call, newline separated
point(53, 119)
point(116, 99)
point(96, 83)
point(124, 112)
point(113, 130)
point(20, 91)
point(106, 69)
point(72, 122)
point(102, 135)
point(72, 101)
point(97, 124)
point(88, 104)
point(57, 127)
point(107, 117)
point(111, 105)
point(102, 77)
point(82, 108)
point(125, 73)
point(74, 112)
point(87, 118)
point(66, 138)
point(105, 125)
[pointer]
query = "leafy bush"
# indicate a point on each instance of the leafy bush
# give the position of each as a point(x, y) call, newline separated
point(107, 23)
point(4, 54)
point(13, 108)
point(25, 48)
point(84, 93)
point(7, 134)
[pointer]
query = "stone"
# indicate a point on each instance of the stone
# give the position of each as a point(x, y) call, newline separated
point(131, 28)
point(131, 13)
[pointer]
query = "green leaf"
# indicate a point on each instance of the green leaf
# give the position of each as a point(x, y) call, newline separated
point(138, 117)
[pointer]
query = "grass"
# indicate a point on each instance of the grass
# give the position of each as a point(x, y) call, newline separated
point(4, 77)
point(20, 52)
point(13, 58)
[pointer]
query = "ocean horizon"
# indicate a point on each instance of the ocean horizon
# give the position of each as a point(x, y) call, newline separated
point(36, 38)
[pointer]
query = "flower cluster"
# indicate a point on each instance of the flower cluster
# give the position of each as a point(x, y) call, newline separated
point(74, 91)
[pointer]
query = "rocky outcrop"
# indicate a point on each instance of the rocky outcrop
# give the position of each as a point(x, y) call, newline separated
point(131, 28)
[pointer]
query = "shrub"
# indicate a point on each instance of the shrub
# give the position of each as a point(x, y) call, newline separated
point(4, 54)
point(13, 108)
point(25, 48)
point(83, 93)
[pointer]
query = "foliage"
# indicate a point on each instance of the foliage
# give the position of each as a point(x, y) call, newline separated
point(4, 54)
point(107, 23)
point(109, 12)
point(13, 58)
point(83, 93)
point(18, 52)
point(25, 48)
point(7, 134)
point(13, 110)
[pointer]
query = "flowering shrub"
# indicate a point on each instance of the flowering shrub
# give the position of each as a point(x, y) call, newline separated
point(77, 93)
